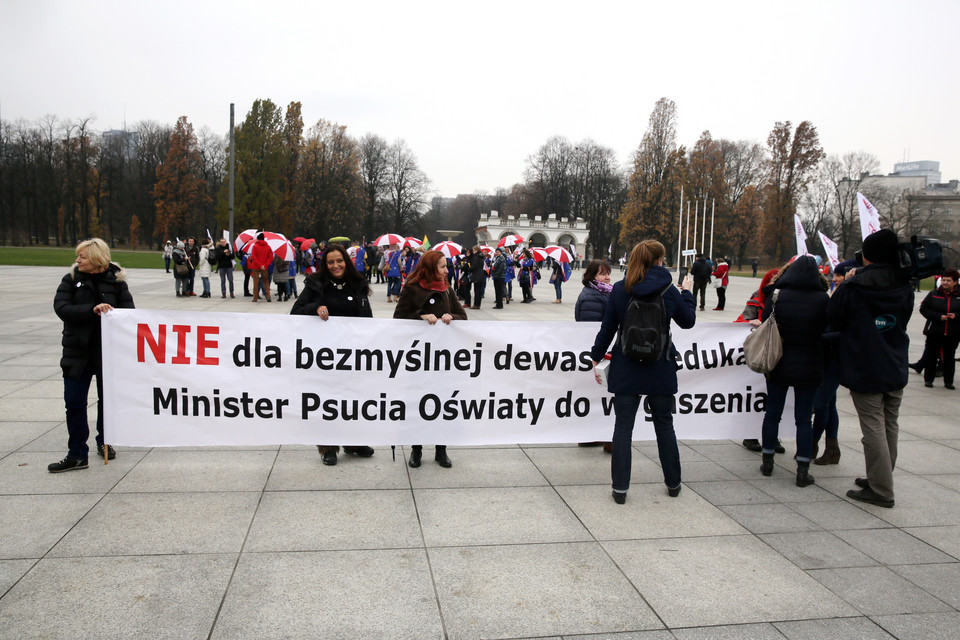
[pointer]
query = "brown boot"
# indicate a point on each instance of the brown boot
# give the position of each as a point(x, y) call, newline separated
point(831, 454)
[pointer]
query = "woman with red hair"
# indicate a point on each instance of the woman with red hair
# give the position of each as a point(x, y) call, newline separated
point(427, 295)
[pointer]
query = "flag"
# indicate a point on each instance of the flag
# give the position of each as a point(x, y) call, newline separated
point(426, 243)
point(801, 236)
point(869, 216)
point(831, 248)
point(209, 237)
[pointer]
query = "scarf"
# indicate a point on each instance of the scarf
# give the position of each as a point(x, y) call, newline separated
point(602, 287)
point(439, 285)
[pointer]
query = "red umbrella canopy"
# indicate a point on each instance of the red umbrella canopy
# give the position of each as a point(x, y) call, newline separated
point(297, 239)
point(243, 238)
point(539, 254)
point(449, 249)
point(306, 243)
point(278, 243)
point(511, 240)
point(389, 238)
point(486, 250)
point(558, 253)
point(412, 242)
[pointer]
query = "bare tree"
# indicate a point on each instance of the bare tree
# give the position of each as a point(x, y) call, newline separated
point(548, 175)
point(374, 170)
point(407, 188)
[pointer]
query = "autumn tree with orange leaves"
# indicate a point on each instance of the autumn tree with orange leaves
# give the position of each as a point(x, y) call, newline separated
point(180, 193)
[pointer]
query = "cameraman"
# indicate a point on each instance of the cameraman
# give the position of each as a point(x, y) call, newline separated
point(871, 311)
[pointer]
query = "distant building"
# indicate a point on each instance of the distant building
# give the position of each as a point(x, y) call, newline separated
point(929, 169)
point(538, 231)
point(124, 142)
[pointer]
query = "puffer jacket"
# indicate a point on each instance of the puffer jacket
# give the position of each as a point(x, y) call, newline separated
point(73, 303)
point(643, 378)
point(937, 304)
point(801, 315)
point(590, 305)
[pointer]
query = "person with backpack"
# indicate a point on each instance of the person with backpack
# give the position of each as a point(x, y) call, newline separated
point(639, 311)
point(700, 270)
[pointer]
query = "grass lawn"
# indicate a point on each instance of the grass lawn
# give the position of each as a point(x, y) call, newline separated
point(64, 257)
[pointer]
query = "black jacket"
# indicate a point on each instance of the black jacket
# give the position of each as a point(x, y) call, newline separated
point(700, 270)
point(350, 301)
point(801, 314)
point(871, 311)
point(73, 303)
point(939, 303)
point(590, 305)
point(224, 256)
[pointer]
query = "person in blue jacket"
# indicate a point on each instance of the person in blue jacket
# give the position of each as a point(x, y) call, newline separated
point(393, 276)
point(654, 382)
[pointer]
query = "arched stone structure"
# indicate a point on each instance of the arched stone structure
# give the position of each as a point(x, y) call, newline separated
point(492, 227)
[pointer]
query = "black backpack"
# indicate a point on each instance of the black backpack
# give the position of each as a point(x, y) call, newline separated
point(645, 331)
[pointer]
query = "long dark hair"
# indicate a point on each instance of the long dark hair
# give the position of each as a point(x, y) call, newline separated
point(351, 275)
point(594, 269)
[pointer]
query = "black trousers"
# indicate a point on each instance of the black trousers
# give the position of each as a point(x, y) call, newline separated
point(499, 289)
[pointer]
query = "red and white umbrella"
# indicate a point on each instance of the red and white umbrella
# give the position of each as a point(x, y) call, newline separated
point(243, 238)
point(539, 254)
point(486, 250)
point(449, 249)
point(278, 243)
point(389, 238)
point(558, 253)
point(511, 240)
point(412, 242)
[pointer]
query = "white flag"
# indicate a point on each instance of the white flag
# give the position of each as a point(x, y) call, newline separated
point(801, 236)
point(869, 216)
point(831, 248)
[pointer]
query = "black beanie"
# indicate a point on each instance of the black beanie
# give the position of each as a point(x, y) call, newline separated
point(881, 246)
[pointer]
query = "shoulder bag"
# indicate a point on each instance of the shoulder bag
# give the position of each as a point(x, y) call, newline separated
point(763, 348)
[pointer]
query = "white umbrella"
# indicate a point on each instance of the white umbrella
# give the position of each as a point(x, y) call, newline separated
point(449, 249)
point(389, 238)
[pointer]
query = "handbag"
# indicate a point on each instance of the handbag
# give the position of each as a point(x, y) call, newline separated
point(181, 269)
point(763, 348)
point(718, 283)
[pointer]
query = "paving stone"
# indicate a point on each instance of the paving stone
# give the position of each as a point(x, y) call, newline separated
point(939, 580)
point(923, 626)
point(892, 546)
point(833, 629)
point(768, 518)
point(817, 550)
point(877, 591)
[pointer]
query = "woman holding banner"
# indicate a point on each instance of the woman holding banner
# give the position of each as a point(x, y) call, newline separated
point(428, 296)
point(93, 287)
point(801, 316)
point(656, 381)
point(336, 289)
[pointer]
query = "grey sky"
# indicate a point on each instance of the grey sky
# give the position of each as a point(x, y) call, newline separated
point(475, 88)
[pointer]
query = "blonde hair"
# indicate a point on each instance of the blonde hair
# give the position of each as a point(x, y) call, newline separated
point(98, 253)
point(644, 255)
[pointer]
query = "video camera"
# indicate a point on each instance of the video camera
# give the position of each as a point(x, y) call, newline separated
point(920, 258)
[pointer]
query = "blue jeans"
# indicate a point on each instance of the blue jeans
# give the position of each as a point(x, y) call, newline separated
point(206, 285)
point(625, 408)
point(75, 392)
point(802, 414)
point(393, 286)
point(557, 284)
point(825, 416)
point(226, 274)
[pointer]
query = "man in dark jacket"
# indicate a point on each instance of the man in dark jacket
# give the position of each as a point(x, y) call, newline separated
point(193, 256)
point(224, 257)
point(477, 276)
point(700, 272)
point(499, 274)
point(871, 311)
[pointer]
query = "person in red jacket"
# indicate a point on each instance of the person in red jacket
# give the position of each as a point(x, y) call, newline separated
point(261, 256)
point(722, 275)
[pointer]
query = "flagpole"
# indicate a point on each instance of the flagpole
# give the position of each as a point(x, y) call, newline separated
point(713, 209)
point(680, 231)
point(688, 230)
point(703, 232)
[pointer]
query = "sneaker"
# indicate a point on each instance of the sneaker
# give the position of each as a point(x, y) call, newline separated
point(67, 464)
point(111, 454)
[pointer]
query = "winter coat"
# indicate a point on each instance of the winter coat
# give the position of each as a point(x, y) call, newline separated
point(193, 255)
point(477, 273)
point(530, 267)
point(350, 301)
point(939, 303)
point(801, 315)
point(204, 266)
point(871, 311)
point(167, 250)
point(261, 256)
point(643, 378)
point(281, 270)
point(73, 303)
point(700, 270)
point(499, 270)
point(180, 257)
point(415, 301)
point(224, 257)
point(723, 272)
point(590, 305)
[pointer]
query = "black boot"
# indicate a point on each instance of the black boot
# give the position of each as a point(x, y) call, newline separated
point(804, 478)
point(416, 453)
point(766, 466)
point(441, 456)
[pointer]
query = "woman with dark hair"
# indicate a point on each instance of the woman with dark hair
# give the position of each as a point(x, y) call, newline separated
point(478, 276)
point(428, 296)
point(590, 307)
point(654, 382)
point(336, 289)
point(93, 287)
point(798, 298)
point(528, 275)
point(942, 330)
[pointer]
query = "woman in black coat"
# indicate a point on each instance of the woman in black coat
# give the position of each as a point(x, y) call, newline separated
point(93, 287)
point(590, 307)
point(942, 329)
point(799, 297)
point(336, 289)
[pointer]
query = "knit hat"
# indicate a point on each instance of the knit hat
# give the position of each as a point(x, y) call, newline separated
point(842, 268)
point(179, 245)
point(882, 246)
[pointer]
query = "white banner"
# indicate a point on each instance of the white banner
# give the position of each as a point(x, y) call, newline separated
point(869, 216)
point(179, 378)
point(830, 247)
point(801, 236)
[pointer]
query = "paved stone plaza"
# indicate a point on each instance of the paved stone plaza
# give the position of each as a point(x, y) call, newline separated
point(512, 542)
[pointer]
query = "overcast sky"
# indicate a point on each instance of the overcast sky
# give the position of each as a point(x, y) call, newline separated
point(475, 88)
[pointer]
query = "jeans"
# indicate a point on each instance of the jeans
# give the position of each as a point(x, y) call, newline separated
point(166, 263)
point(625, 408)
point(393, 286)
point(190, 280)
point(825, 416)
point(75, 392)
point(557, 284)
point(802, 414)
point(206, 285)
point(226, 274)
